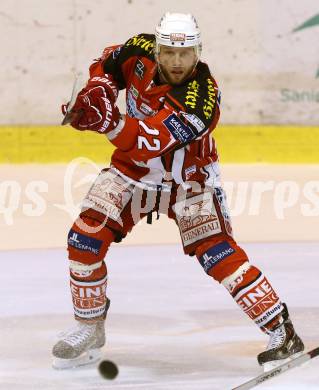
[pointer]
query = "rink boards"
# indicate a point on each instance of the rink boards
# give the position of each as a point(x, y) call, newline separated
point(236, 144)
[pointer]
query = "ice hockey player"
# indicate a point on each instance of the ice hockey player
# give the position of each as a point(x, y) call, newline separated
point(166, 162)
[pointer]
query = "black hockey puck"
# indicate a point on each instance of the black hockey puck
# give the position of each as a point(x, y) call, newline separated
point(108, 369)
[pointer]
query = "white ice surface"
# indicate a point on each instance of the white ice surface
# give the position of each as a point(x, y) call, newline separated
point(169, 326)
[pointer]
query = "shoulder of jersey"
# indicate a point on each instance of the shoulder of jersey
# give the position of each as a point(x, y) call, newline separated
point(203, 72)
point(197, 84)
point(196, 96)
point(141, 45)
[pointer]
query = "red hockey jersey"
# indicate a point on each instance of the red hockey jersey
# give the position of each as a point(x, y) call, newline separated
point(166, 134)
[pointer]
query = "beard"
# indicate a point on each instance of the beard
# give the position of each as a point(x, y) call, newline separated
point(166, 77)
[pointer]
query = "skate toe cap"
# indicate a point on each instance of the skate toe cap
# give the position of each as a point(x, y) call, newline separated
point(63, 350)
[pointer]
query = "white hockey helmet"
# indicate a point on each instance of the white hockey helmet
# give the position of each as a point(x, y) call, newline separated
point(178, 30)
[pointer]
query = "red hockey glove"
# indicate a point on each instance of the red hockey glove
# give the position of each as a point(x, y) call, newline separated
point(94, 108)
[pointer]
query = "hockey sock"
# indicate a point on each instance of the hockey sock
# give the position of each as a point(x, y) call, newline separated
point(255, 296)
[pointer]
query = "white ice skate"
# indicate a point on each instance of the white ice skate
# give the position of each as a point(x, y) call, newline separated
point(79, 346)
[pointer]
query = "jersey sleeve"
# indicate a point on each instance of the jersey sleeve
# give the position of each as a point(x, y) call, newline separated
point(110, 81)
point(190, 112)
point(117, 61)
point(151, 137)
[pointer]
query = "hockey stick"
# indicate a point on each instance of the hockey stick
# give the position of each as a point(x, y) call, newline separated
point(279, 370)
point(77, 86)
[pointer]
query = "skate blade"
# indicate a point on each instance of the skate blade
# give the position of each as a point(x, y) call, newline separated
point(276, 363)
point(89, 357)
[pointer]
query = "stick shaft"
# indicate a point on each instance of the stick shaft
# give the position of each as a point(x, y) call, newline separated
point(279, 370)
point(77, 86)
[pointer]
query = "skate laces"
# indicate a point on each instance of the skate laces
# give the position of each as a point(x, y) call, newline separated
point(277, 338)
point(77, 334)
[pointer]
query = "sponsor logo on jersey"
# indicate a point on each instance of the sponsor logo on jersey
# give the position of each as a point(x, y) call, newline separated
point(178, 129)
point(84, 243)
point(192, 94)
point(215, 255)
point(210, 101)
point(140, 41)
point(147, 110)
point(134, 91)
point(177, 37)
point(139, 69)
point(131, 107)
point(116, 52)
point(194, 120)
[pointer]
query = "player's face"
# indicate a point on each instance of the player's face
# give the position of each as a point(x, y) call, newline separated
point(176, 63)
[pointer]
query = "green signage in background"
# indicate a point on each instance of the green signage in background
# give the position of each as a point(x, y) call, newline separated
point(312, 22)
